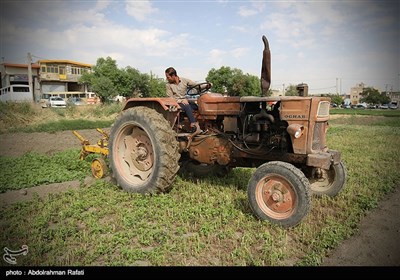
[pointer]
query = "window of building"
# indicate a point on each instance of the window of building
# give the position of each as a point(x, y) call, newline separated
point(50, 69)
point(76, 70)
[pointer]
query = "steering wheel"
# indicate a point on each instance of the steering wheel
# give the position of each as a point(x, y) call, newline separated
point(198, 89)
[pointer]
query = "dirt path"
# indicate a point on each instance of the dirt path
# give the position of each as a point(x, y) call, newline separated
point(376, 244)
point(17, 144)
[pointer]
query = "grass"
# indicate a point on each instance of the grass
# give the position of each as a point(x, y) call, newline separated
point(30, 117)
point(207, 223)
point(366, 112)
point(33, 169)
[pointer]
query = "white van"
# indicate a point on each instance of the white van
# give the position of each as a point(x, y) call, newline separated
point(16, 93)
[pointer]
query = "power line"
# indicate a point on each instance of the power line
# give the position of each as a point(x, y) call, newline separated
point(322, 88)
point(40, 57)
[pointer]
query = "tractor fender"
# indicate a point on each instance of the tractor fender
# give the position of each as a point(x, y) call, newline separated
point(166, 103)
point(166, 106)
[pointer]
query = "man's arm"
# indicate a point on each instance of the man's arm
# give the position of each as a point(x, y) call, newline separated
point(168, 90)
point(188, 82)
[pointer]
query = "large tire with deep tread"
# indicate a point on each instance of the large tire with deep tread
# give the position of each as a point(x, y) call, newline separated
point(143, 151)
point(280, 193)
point(331, 182)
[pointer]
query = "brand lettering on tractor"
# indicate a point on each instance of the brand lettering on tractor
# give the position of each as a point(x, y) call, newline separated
point(294, 116)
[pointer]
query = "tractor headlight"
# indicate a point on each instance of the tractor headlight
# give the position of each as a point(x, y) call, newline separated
point(295, 130)
point(323, 109)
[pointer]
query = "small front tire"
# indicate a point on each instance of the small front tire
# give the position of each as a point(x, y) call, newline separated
point(280, 193)
point(328, 182)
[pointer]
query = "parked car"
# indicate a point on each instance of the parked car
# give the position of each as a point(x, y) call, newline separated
point(56, 102)
point(384, 106)
point(75, 101)
point(361, 105)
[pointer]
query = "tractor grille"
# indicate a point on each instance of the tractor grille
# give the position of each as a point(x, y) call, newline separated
point(319, 137)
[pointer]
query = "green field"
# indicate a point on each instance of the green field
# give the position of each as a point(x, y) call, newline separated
point(202, 223)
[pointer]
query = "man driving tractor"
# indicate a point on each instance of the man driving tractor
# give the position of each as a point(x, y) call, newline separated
point(177, 88)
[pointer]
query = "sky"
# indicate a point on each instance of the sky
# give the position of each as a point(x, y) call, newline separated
point(330, 45)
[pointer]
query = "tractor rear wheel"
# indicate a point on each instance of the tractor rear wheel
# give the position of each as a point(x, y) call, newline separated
point(280, 193)
point(143, 151)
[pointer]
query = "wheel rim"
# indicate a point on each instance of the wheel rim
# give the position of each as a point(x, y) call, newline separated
point(275, 197)
point(99, 168)
point(134, 154)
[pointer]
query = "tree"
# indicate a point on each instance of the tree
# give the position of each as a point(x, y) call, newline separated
point(138, 83)
point(221, 78)
point(107, 81)
point(104, 88)
point(234, 82)
point(104, 79)
point(253, 86)
point(157, 87)
point(336, 99)
point(373, 96)
point(291, 90)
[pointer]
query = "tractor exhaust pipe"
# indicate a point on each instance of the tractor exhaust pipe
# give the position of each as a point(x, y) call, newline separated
point(265, 68)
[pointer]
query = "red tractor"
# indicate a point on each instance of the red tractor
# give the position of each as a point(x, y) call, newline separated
point(283, 137)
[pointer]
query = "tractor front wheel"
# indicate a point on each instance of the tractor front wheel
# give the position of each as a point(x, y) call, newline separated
point(329, 182)
point(280, 193)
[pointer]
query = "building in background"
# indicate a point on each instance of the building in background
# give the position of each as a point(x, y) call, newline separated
point(13, 74)
point(60, 78)
point(49, 78)
point(355, 93)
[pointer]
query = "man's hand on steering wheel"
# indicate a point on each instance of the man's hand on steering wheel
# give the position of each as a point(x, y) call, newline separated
point(199, 88)
point(184, 101)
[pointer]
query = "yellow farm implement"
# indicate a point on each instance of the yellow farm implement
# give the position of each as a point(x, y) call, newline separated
point(98, 165)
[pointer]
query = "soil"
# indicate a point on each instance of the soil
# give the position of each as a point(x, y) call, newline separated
point(17, 144)
point(375, 244)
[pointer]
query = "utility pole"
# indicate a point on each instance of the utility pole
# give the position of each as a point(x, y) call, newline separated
point(30, 75)
point(283, 90)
